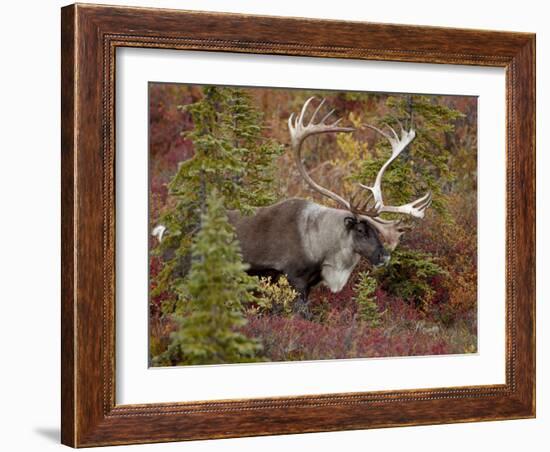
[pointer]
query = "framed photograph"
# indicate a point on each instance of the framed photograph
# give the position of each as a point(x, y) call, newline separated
point(281, 225)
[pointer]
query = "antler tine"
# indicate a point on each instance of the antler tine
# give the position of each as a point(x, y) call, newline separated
point(415, 208)
point(313, 116)
point(360, 207)
point(424, 202)
point(291, 124)
point(322, 121)
point(392, 130)
point(388, 222)
point(304, 108)
point(376, 129)
point(401, 129)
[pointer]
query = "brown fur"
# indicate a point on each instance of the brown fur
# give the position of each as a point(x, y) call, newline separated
point(307, 242)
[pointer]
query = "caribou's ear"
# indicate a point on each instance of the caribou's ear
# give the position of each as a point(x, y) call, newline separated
point(350, 222)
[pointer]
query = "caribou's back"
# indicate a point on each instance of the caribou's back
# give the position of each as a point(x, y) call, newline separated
point(270, 237)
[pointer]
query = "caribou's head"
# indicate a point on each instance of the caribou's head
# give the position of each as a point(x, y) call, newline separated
point(374, 237)
point(367, 241)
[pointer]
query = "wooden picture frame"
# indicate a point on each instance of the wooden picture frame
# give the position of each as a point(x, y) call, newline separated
point(90, 36)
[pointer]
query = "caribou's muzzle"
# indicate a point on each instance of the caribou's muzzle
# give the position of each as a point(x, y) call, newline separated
point(384, 259)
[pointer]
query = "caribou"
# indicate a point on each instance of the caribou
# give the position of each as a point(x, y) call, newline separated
point(311, 243)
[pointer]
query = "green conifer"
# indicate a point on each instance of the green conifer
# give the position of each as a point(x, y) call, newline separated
point(230, 156)
point(214, 295)
point(423, 166)
point(367, 309)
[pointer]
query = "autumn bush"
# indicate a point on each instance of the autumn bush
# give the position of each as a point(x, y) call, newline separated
point(274, 297)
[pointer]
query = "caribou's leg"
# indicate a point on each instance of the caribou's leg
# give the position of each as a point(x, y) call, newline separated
point(301, 306)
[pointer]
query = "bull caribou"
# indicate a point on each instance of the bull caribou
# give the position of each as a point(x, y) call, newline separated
point(311, 243)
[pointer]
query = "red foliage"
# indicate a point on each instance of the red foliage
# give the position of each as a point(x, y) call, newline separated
point(167, 146)
point(341, 336)
point(155, 300)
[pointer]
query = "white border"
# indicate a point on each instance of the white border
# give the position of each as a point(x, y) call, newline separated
point(135, 383)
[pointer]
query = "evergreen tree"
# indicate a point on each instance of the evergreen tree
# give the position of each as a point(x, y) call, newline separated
point(232, 157)
point(254, 185)
point(424, 165)
point(213, 296)
point(367, 309)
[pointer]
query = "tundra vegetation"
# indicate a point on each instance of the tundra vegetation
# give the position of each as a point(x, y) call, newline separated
point(215, 149)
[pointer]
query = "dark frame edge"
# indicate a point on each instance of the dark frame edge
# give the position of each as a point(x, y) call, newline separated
point(524, 64)
point(68, 297)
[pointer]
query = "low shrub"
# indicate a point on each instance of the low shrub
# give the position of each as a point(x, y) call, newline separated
point(409, 275)
point(274, 297)
point(367, 308)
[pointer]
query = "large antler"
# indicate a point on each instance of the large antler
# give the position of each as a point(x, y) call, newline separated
point(299, 131)
point(398, 145)
point(374, 205)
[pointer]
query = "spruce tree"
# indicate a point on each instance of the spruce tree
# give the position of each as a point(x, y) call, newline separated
point(232, 157)
point(424, 166)
point(365, 297)
point(254, 184)
point(214, 295)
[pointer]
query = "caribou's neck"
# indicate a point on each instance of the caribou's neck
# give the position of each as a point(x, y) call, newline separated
point(337, 271)
point(327, 242)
